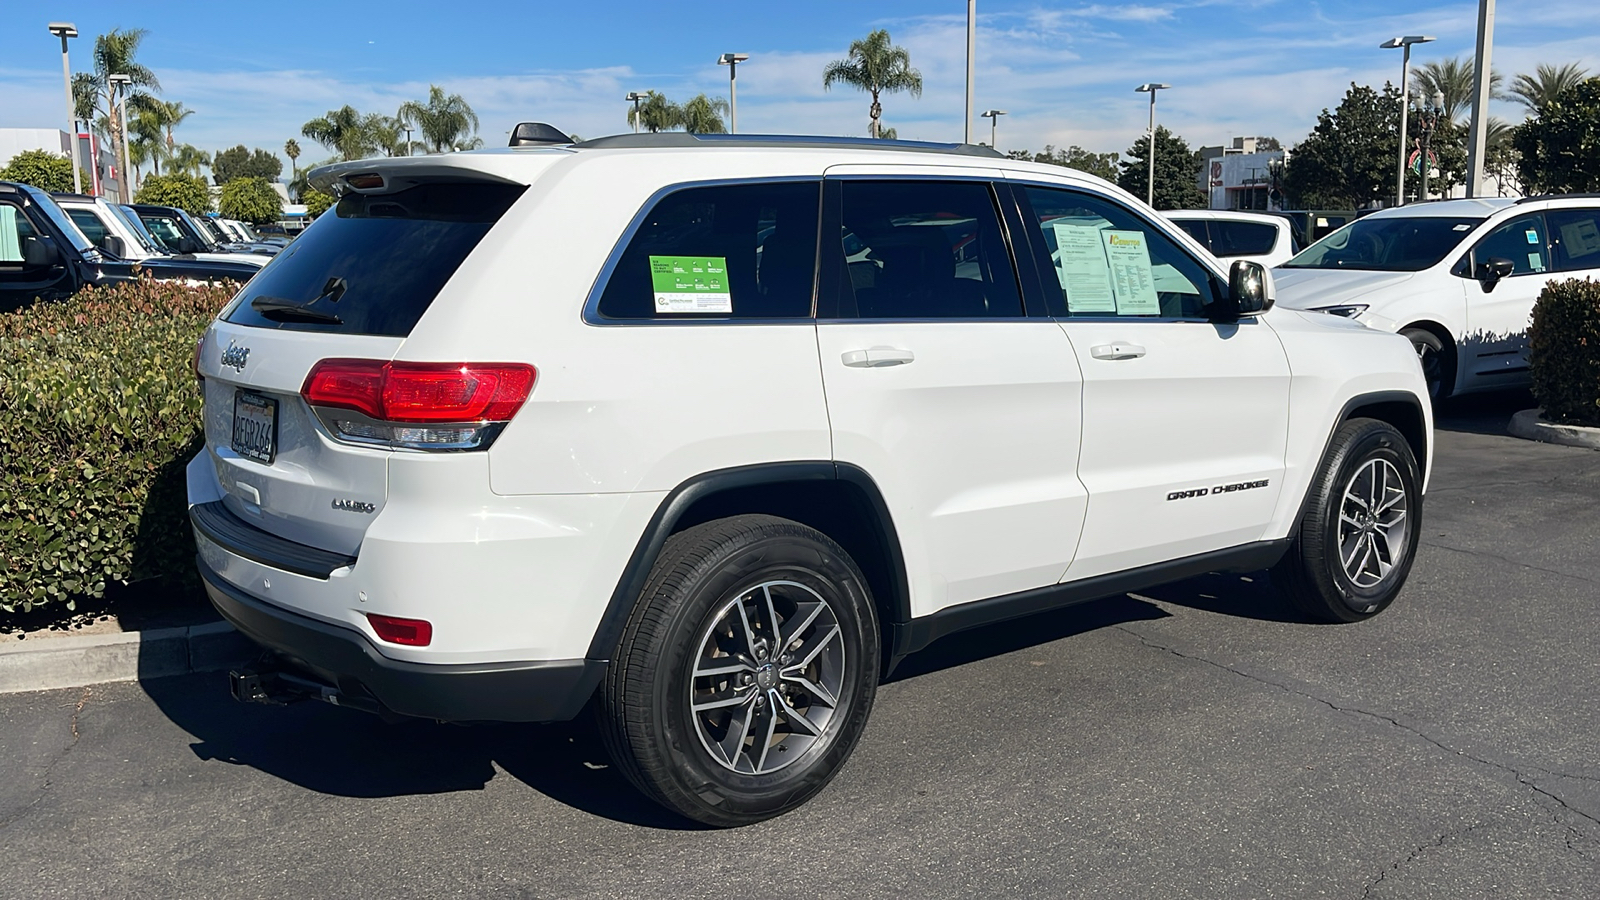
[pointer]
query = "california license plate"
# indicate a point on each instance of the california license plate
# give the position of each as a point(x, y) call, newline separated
point(255, 426)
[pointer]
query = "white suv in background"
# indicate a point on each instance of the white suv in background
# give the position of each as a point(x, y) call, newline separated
point(1240, 234)
point(723, 428)
point(1456, 277)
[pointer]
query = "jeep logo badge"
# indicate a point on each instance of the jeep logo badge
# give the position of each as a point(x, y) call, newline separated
point(234, 356)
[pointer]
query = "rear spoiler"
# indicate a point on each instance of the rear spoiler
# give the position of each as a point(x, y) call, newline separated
point(396, 173)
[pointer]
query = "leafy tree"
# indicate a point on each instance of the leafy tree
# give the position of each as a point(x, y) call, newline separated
point(703, 115)
point(317, 202)
point(445, 121)
point(877, 66)
point(1348, 160)
point(887, 134)
point(240, 162)
point(655, 114)
point(344, 131)
point(44, 170)
point(188, 192)
point(1456, 81)
point(1500, 156)
point(1267, 144)
point(1560, 146)
point(1177, 183)
point(1547, 82)
point(250, 199)
point(291, 149)
point(1100, 165)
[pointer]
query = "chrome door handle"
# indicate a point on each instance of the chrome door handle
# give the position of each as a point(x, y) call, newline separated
point(1118, 350)
point(877, 357)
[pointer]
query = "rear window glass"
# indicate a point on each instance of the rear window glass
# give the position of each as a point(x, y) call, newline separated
point(724, 251)
point(373, 262)
point(1242, 238)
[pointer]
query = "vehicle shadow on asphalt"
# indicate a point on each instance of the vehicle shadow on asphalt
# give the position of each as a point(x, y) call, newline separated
point(1247, 595)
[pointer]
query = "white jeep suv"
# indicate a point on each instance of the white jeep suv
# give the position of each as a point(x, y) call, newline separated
point(1458, 278)
point(718, 430)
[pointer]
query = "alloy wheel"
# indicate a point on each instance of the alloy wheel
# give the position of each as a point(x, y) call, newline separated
point(1373, 532)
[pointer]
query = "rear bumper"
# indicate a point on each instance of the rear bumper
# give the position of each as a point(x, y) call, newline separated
point(537, 691)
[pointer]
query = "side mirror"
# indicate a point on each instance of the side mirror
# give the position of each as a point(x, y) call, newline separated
point(41, 252)
point(1249, 289)
point(1489, 273)
point(114, 246)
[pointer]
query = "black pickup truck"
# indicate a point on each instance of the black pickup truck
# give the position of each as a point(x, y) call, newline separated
point(44, 256)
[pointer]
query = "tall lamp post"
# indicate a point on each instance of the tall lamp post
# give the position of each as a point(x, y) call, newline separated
point(1429, 112)
point(993, 115)
point(972, 62)
point(123, 84)
point(732, 60)
point(66, 30)
point(1404, 44)
point(1151, 88)
point(636, 98)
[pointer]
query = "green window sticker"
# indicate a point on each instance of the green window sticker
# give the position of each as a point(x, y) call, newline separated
point(690, 284)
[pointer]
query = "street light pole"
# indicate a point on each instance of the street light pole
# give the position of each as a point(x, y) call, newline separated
point(635, 97)
point(1151, 88)
point(123, 84)
point(1404, 43)
point(732, 60)
point(993, 115)
point(1480, 98)
point(66, 30)
point(972, 50)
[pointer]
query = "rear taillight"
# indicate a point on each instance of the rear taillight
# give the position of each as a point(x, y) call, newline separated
point(408, 632)
point(417, 406)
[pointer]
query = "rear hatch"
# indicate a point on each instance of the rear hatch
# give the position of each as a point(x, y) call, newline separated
point(351, 287)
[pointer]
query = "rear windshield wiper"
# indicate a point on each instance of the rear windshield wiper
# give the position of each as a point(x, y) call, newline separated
point(282, 310)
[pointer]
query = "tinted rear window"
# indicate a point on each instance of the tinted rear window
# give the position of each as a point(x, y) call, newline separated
point(1242, 238)
point(377, 261)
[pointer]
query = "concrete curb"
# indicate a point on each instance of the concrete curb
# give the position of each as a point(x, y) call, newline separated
point(1527, 424)
point(48, 663)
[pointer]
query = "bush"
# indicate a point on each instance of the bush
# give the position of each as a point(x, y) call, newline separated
point(44, 170)
point(250, 200)
point(1564, 351)
point(186, 192)
point(99, 414)
point(317, 203)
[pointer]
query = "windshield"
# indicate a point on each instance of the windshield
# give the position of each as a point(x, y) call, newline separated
point(131, 219)
point(1387, 244)
point(198, 231)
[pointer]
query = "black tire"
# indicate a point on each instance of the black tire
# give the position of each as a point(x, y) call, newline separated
point(1438, 369)
point(685, 623)
point(1316, 573)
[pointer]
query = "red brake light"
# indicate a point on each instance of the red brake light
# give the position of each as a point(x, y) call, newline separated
point(409, 632)
point(421, 392)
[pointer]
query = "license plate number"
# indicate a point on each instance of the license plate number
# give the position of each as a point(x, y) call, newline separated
point(255, 426)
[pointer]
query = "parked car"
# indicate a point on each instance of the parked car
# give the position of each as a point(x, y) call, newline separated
point(223, 232)
point(505, 431)
point(243, 232)
point(119, 233)
point(180, 233)
point(1239, 234)
point(43, 255)
point(1456, 277)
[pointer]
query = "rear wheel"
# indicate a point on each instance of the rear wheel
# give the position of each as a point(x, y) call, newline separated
point(1435, 359)
point(746, 673)
point(1358, 535)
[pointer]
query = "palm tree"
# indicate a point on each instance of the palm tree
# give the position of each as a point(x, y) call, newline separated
point(187, 159)
point(114, 54)
point(877, 66)
point(172, 115)
point(445, 121)
point(388, 134)
point(656, 113)
point(1456, 81)
point(703, 115)
point(1534, 91)
point(344, 131)
point(291, 149)
point(146, 146)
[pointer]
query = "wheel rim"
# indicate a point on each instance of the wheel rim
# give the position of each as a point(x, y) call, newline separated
point(767, 677)
point(1373, 534)
point(1431, 371)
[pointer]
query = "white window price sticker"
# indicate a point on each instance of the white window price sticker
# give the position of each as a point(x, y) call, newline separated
point(690, 284)
point(1082, 269)
point(1131, 277)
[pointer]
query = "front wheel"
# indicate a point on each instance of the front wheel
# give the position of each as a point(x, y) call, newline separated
point(1358, 534)
point(1432, 357)
point(746, 673)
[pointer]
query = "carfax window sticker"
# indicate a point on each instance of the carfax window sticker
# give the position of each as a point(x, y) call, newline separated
point(690, 284)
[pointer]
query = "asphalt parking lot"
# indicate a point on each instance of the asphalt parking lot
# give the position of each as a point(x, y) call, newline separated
point(1192, 741)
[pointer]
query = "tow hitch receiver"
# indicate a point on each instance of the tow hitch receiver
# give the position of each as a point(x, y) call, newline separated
point(267, 681)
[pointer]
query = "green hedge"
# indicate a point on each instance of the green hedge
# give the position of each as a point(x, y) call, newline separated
point(1564, 351)
point(99, 413)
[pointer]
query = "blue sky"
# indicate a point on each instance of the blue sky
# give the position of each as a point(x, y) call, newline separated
point(1064, 70)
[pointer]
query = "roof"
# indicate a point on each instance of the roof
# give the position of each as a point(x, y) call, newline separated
point(683, 139)
point(1236, 215)
point(1475, 208)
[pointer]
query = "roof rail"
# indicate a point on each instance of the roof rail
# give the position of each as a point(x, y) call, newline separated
point(684, 139)
point(1580, 196)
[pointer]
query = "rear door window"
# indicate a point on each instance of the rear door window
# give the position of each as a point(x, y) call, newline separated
point(374, 263)
point(744, 251)
point(1575, 236)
